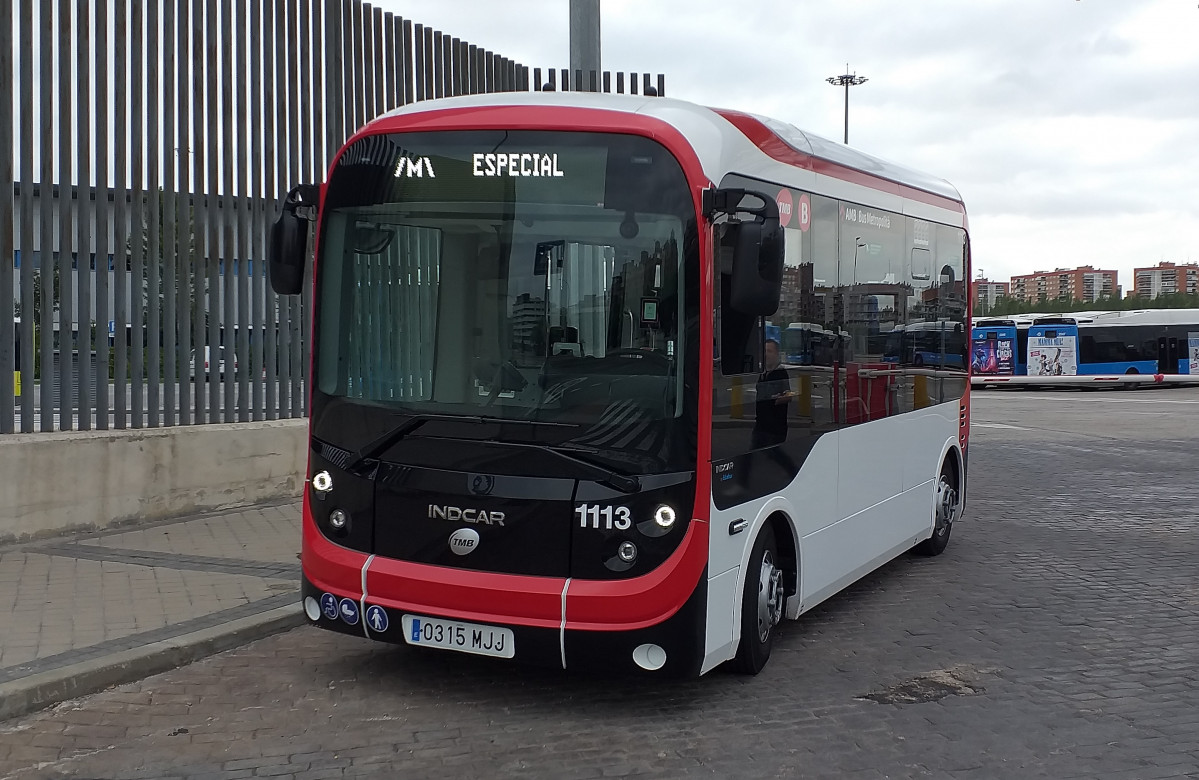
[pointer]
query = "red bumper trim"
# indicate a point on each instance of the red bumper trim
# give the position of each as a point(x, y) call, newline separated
point(591, 605)
point(328, 566)
point(625, 605)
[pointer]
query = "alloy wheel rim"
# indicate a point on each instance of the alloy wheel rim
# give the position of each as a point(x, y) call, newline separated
point(947, 505)
point(770, 597)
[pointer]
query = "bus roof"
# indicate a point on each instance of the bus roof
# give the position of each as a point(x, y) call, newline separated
point(1132, 317)
point(928, 325)
point(735, 142)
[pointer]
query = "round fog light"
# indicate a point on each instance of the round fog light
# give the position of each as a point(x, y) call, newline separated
point(312, 609)
point(649, 657)
point(322, 482)
point(338, 519)
point(664, 516)
point(627, 552)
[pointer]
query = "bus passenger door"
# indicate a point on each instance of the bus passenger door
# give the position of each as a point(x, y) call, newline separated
point(1169, 352)
point(1163, 355)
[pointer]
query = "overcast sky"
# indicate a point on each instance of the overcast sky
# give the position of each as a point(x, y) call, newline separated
point(1071, 127)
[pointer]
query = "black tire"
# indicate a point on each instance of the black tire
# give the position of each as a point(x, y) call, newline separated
point(943, 516)
point(762, 580)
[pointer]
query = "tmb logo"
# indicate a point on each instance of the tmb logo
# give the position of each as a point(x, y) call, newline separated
point(785, 204)
point(464, 541)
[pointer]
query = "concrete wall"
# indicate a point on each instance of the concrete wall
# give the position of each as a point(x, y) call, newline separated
point(53, 482)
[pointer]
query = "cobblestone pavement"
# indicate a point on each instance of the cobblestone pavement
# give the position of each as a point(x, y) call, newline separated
point(1058, 637)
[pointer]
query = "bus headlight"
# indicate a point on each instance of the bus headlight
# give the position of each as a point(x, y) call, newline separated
point(338, 519)
point(322, 483)
point(664, 517)
point(661, 523)
point(625, 557)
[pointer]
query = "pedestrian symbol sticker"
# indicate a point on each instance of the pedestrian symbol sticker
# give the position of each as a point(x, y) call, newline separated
point(329, 605)
point(376, 618)
point(349, 611)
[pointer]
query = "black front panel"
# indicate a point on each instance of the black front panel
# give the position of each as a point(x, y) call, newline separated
point(352, 493)
point(603, 519)
point(681, 636)
point(470, 520)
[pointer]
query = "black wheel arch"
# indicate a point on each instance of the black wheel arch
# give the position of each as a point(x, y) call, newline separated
point(784, 539)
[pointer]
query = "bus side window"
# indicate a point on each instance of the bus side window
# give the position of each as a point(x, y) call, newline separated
point(1087, 349)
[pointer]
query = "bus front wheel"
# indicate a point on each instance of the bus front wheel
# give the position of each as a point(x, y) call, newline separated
point(762, 601)
point(945, 509)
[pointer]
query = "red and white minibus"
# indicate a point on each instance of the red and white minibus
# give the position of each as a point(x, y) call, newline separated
point(547, 423)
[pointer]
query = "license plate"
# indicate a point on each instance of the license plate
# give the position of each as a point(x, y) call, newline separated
point(455, 635)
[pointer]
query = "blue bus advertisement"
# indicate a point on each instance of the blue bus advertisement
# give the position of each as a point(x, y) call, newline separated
point(993, 349)
point(1053, 347)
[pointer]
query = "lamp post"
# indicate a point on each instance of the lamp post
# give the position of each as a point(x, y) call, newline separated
point(846, 80)
point(855, 295)
point(858, 244)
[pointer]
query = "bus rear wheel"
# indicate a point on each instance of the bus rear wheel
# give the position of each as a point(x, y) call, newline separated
point(762, 601)
point(945, 509)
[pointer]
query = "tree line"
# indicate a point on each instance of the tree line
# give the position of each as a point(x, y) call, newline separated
point(1005, 305)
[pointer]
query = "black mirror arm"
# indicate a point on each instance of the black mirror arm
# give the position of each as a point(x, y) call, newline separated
point(303, 201)
point(728, 201)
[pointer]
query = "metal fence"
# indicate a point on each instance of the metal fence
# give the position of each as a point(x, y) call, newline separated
point(150, 143)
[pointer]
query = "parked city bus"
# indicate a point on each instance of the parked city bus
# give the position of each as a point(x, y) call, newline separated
point(938, 344)
point(774, 333)
point(808, 344)
point(1148, 341)
point(545, 421)
point(993, 348)
point(1053, 347)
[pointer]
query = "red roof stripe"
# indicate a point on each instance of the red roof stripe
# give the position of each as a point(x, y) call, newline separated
point(769, 142)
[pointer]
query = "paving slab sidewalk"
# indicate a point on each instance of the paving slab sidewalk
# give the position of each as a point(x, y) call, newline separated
point(82, 612)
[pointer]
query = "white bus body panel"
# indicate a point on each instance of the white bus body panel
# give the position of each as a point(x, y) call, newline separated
point(723, 628)
point(844, 526)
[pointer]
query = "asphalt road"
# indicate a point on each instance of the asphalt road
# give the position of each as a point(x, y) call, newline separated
point(1057, 637)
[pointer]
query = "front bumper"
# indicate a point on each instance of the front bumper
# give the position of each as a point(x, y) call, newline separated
point(680, 636)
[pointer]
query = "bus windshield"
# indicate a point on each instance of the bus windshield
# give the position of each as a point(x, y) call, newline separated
point(526, 277)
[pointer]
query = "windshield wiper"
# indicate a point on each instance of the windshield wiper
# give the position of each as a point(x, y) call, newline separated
point(390, 437)
point(381, 443)
point(625, 483)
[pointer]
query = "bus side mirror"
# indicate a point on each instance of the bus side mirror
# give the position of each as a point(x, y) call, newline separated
point(287, 248)
point(757, 273)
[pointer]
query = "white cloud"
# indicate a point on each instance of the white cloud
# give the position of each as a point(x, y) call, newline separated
point(1070, 126)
